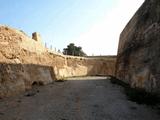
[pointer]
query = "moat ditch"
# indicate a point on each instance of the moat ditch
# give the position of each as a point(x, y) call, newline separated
point(86, 98)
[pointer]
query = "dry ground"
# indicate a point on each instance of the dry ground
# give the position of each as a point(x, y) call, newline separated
point(90, 98)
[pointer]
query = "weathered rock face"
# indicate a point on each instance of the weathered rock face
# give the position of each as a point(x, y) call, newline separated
point(20, 63)
point(139, 49)
point(69, 66)
point(24, 61)
point(101, 65)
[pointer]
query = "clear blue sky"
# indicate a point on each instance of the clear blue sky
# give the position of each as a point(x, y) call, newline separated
point(58, 21)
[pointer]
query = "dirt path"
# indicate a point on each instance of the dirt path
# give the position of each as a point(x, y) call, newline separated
point(91, 98)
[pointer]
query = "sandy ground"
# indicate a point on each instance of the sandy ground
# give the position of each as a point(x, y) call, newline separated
point(90, 98)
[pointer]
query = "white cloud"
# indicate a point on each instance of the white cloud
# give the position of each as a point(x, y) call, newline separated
point(103, 37)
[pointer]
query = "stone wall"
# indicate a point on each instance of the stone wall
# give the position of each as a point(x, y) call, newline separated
point(139, 49)
point(25, 61)
point(36, 36)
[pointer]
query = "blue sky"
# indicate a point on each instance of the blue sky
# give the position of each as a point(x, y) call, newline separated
point(93, 24)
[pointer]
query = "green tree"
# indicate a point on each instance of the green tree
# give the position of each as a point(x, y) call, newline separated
point(73, 50)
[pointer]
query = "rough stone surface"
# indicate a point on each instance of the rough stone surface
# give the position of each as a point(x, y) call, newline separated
point(25, 62)
point(139, 49)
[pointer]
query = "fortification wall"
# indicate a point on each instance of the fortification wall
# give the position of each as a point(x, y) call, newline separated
point(139, 49)
point(25, 61)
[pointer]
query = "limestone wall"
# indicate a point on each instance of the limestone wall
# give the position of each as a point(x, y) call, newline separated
point(25, 61)
point(139, 49)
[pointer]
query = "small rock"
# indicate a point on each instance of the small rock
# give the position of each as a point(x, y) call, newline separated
point(19, 101)
point(37, 91)
point(133, 108)
point(60, 80)
point(30, 94)
point(96, 106)
point(1, 113)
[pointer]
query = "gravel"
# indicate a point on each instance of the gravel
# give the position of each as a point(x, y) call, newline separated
point(86, 98)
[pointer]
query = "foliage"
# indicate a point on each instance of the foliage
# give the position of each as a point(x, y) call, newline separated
point(73, 50)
